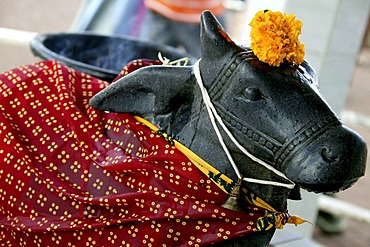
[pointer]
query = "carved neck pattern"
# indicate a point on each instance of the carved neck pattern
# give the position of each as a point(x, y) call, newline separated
point(257, 137)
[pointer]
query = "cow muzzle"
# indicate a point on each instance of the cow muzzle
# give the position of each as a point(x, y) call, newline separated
point(329, 162)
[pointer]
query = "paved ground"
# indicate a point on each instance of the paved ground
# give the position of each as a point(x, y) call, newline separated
point(54, 16)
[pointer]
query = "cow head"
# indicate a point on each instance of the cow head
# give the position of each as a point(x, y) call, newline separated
point(276, 113)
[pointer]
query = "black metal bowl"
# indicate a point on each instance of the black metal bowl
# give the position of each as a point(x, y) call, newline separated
point(101, 56)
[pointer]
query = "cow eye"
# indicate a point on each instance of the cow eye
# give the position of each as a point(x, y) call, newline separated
point(252, 93)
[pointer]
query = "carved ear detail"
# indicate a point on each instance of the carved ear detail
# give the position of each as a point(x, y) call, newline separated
point(149, 90)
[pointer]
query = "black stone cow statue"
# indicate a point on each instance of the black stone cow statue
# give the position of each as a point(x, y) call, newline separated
point(276, 113)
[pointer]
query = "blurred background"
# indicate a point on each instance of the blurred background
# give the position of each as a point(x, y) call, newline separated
point(337, 40)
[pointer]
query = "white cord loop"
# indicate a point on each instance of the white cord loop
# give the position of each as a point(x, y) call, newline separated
point(213, 115)
point(179, 62)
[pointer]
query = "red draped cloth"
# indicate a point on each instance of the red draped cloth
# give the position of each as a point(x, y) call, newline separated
point(71, 175)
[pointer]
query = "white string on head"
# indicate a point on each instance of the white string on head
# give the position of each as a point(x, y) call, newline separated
point(213, 115)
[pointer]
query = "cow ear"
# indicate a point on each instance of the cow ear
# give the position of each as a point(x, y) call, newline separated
point(217, 47)
point(215, 42)
point(149, 90)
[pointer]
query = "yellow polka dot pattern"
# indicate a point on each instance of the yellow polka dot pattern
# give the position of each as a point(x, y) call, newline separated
point(74, 176)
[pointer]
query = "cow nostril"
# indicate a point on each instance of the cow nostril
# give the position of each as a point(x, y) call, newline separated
point(329, 155)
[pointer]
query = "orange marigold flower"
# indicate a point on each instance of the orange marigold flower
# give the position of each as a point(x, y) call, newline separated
point(275, 38)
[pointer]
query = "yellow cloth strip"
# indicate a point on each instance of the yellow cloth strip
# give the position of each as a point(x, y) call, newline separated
point(205, 167)
point(195, 159)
